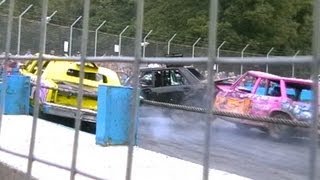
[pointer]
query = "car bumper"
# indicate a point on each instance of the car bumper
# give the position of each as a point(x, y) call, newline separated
point(69, 112)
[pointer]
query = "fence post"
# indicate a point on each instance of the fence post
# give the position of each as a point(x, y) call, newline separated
point(77, 120)
point(218, 54)
point(145, 44)
point(210, 89)
point(120, 38)
point(48, 19)
point(267, 66)
point(292, 66)
point(169, 42)
point(135, 93)
point(241, 67)
point(96, 37)
point(7, 51)
point(42, 46)
point(193, 46)
point(19, 27)
point(2, 2)
point(70, 36)
point(313, 153)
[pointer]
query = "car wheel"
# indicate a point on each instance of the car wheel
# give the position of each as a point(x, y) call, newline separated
point(280, 131)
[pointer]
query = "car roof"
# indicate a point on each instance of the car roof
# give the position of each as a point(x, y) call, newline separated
point(276, 77)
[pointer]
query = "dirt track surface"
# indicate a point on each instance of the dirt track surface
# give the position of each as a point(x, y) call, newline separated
point(250, 153)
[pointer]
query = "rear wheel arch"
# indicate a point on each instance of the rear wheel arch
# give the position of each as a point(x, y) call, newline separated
point(278, 131)
point(280, 113)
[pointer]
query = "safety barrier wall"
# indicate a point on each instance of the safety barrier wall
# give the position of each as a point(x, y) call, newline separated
point(17, 94)
point(113, 119)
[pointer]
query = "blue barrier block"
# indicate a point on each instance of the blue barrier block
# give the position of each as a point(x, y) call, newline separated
point(113, 115)
point(17, 94)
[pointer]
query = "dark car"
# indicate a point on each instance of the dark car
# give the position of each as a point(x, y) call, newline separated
point(178, 85)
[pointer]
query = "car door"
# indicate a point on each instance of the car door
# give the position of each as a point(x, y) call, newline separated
point(267, 97)
point(239, 98)
point(169, 85)
point(146, 81)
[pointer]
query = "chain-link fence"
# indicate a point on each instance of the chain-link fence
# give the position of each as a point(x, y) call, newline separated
point(57, 35)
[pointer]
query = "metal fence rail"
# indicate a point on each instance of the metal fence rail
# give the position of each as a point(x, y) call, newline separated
point(182, 60)
point(136, 60)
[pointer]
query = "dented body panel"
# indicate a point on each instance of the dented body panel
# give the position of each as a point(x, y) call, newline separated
point(263, 94)
point(60, 81)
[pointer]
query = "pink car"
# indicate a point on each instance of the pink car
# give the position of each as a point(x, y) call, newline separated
point(263, 94)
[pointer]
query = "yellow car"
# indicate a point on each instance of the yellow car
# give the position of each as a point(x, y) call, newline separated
point(59, 85)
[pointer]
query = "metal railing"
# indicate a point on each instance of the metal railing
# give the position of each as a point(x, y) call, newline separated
point(136, 60)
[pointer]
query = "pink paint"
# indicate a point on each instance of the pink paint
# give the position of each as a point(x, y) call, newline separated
point(262, 94)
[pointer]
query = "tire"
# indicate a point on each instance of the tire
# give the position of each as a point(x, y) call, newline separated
point(279, 131)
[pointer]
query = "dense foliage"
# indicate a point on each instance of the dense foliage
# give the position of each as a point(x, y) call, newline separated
point(285, 25)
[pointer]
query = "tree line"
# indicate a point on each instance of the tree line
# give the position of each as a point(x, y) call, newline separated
point(285, 25)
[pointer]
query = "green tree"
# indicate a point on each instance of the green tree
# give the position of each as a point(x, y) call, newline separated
point(117, 13)
point(266, 24)
point(285, 25)
point(188, 18)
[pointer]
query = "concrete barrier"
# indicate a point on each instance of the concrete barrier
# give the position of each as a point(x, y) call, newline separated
point(17, 94)
point(113, 115)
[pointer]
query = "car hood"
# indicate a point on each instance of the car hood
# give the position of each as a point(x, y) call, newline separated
point(220, 84)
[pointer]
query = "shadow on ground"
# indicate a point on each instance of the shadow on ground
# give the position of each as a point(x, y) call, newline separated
point(70, 122)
